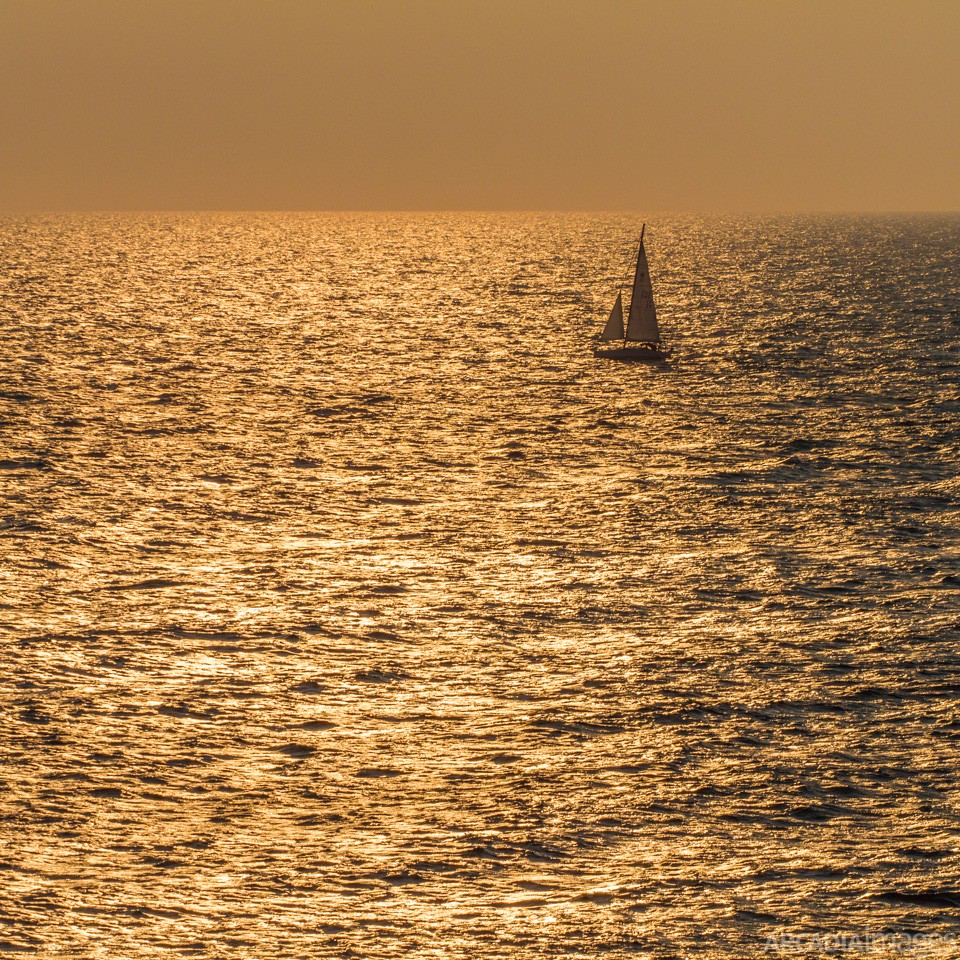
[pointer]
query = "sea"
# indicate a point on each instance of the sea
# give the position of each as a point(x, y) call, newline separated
point(351, 607)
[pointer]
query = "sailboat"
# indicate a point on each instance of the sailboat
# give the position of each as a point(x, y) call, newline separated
point(641, 336)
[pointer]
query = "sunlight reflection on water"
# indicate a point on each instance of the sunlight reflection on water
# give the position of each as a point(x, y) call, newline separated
point(351, 604)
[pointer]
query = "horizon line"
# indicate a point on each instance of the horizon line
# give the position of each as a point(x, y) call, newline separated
point(262, 211)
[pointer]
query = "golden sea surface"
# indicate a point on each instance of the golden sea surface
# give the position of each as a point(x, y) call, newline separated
point(350, 607)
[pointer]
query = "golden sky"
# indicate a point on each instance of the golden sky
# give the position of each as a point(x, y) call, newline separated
point(699, 105)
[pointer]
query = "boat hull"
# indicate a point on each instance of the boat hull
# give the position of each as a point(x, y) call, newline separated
point(631, 354)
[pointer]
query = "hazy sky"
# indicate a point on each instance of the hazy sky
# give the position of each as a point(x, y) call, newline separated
point(699, 105)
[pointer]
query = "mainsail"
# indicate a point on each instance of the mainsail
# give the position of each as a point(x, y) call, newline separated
point(642, 324)
point(614, 328)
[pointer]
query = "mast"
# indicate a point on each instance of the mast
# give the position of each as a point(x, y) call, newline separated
point(643, 228)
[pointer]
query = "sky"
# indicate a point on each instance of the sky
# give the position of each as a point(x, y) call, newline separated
point(674, 105)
